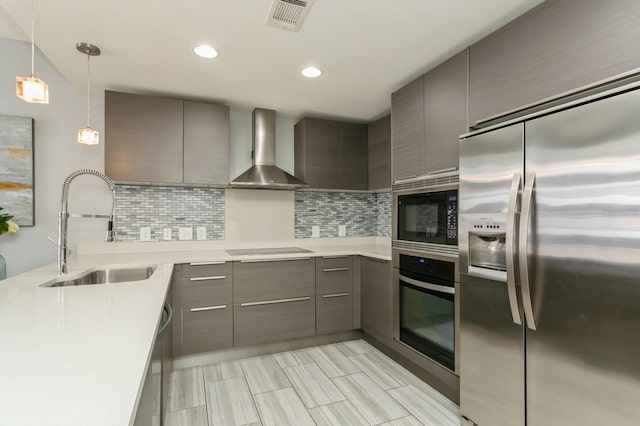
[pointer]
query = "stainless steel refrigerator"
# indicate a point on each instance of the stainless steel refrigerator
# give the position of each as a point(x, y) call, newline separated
point(549, 213)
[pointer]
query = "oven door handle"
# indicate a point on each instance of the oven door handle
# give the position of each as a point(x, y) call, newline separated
point(429, 286)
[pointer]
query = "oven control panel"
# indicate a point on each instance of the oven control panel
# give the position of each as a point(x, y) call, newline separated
point(452, 218)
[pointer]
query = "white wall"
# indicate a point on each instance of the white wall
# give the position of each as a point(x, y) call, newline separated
point(57, 154)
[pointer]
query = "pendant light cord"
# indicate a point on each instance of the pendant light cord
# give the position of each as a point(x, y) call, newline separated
point(33, 40)
point(88, 91)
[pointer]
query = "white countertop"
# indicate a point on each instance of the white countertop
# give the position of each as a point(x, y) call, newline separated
point(78, 355)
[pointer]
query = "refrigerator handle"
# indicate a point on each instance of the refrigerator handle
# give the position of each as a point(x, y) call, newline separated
point(509, 246)
point(522, 251)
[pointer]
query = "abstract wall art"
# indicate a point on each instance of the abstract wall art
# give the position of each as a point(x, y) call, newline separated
point(16, 169)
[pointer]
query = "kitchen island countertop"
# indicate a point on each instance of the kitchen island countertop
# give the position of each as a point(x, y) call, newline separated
point(78, 355)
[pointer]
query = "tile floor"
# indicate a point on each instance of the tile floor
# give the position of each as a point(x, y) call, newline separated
point(349, 383)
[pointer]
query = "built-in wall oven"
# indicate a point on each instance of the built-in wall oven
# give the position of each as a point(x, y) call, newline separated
point(425, 262)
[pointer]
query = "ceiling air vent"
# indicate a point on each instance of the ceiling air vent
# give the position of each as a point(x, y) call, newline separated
point(288, 14)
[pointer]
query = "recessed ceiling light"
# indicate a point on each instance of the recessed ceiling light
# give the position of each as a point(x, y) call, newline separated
point(205, 51)
point(311, 72)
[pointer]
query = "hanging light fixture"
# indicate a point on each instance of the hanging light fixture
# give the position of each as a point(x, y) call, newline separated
point(88, 136)
point(32, 89)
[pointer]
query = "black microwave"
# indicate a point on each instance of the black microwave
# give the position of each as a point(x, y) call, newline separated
point(427, 217)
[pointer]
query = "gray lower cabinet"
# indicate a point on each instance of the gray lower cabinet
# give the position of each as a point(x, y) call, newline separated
point(207, 328)
point(203, 302)
point(407, 131)
point(274, 300)
point(334, 294)
point(273, 320)
point(557, 47)
point(377, 297)
point(379, 154)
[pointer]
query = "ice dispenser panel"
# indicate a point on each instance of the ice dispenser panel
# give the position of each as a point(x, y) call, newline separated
point(487, 255)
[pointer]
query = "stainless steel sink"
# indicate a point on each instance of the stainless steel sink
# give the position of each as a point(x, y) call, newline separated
point(103, 276)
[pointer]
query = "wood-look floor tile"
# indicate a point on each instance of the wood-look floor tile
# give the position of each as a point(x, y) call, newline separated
point(333, 362)
point(354, 347)
point(425, 408)
point(264, 374)
point(376, 371)
point(375, 405)
point(394, 369)
point(189, 417)
point(405, 421)
point(282, 408)
point(313, 386)
point(338, 414)
point(229, 403)
point(186, 389)
point(293, 358)
point(222, 371)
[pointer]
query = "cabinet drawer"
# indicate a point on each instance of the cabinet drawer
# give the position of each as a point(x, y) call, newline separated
point(206, 291)
point(269, 280)
point(334, 312)
point(206, 269)
point(207, 329)
point(270, 321)
point(334, 275)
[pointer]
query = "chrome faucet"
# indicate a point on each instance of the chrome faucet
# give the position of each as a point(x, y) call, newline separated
point(63, 216)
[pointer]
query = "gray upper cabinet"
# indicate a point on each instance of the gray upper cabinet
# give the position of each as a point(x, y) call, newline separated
point(206, 143)
point(379, 139)
point(407, 131)
point(331, 154)
point(445, 113)
point(143, 138)
point(317, 152)
point(557, 47)
point(352, 160)
point(158, 140)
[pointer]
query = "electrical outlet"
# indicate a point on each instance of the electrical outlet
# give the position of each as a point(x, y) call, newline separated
point(145, 233)
point(342, 230)
point(315, 232)
point(201, 233)
point(167, 234)
point(185, 233)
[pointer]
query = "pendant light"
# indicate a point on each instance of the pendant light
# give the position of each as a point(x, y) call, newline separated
point(88, 136)
point(32, 89)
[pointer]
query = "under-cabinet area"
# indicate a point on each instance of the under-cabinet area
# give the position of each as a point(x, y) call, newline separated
point(220, 305)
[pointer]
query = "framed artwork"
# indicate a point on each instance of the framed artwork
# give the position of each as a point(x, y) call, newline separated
point(16, 169)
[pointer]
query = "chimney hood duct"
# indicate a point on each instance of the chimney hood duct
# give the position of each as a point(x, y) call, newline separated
point(264, 174)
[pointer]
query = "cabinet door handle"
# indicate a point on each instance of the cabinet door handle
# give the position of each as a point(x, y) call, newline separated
point(335, 269)
point(273, 302)
point(335, 257)
point(208, 308)
point(328, 296)
point(275, 260)
point(206, 263)
point(373, 259)
point(213, 277)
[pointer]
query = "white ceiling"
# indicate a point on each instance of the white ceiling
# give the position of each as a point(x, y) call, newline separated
point(367, 48)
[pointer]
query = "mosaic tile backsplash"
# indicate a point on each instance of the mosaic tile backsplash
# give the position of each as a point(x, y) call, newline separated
point(162, 207)
point(363, 214)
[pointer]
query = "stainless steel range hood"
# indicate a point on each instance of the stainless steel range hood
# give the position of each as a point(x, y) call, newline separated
point(264, 174)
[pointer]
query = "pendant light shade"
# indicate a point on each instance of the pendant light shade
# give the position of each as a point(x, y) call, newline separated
point(88, 136)
point(32, 89)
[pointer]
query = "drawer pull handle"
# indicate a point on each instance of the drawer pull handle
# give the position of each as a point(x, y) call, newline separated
point(335, 269)
point(335, 257)
point(214, 277)
point(208, 308)
point(275, 260)
point(206, 263)
point(273, 302)
point(373, 259)
point(328, 296)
